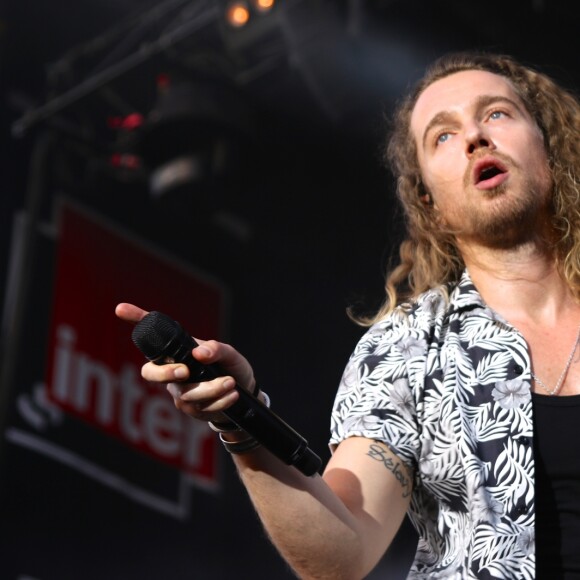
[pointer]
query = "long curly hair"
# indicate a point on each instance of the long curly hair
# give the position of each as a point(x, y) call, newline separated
point(429, 256)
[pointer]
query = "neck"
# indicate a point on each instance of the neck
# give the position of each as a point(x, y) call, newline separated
point(522, 284)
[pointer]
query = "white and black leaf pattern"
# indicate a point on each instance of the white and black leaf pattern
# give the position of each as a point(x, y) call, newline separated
point(435, 381)
point(464, 375)
point(486, 425)
point(491, 368)
point(478, 332)
point(392, 368)
point(514, 469)
point(496, 549)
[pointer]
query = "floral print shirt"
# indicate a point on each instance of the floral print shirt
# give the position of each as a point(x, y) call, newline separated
point(445, 382)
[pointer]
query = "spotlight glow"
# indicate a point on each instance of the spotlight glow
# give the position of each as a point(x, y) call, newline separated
point(263, 5)
point(237, 14)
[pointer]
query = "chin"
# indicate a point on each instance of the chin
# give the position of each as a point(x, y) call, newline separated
point(505, 226)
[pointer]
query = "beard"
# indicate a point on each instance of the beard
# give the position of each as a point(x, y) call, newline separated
point(505, 216)
point(507, 221)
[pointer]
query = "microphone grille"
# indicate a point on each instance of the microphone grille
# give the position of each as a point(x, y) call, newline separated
point(152, 334)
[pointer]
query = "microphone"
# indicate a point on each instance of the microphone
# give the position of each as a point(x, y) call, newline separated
point(163, 340)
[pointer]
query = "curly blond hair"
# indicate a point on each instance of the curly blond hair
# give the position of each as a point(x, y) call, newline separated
point(429, 256)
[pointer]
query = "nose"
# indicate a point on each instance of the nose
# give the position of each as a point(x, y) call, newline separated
point(476, 138)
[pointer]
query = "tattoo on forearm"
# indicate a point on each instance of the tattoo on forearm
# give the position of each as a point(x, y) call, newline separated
point(379, 453)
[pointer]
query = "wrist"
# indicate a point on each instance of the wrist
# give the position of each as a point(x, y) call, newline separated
point(237, 441)
point(244, 445)
point(233, 436)
point(229, 426)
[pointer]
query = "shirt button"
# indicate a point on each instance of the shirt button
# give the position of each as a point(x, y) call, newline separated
point(522, 509)
point(519, 369)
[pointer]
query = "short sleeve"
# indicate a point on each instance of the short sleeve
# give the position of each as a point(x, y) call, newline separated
point(379, 388)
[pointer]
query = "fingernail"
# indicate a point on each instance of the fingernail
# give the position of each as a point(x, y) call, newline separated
point(203, 350)
point(174, 390)
point(180, 373)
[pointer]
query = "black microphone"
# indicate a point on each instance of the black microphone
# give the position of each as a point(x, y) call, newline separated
point(163, 340)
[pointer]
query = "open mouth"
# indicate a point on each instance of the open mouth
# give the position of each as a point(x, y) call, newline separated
point(486, 172)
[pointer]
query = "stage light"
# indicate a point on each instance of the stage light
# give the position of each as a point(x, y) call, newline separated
point(263, 5)
point(175, 174)
point(192, 139)
point(126, 123)
point(237, 14)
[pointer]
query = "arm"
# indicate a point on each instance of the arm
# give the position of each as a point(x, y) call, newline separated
point(335, 526)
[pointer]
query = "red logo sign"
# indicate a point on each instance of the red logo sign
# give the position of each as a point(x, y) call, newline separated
point(93, 369)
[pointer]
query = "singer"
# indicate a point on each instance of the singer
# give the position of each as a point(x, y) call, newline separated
point(460, 405)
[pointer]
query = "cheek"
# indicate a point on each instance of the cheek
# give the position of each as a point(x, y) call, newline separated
point(444, 176)
point(541, 158)
point(538, 161)
point(534, 148)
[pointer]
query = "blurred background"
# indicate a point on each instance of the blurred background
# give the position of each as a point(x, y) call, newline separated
point(220, 161)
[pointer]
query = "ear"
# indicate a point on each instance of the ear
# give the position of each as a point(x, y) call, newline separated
point(425, 196)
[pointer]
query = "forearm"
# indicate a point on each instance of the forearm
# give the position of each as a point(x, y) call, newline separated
point(310, 526)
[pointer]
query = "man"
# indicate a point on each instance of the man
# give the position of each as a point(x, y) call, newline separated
point(455, 406)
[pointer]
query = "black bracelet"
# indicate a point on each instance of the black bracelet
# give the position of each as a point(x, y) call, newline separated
point(238, 447)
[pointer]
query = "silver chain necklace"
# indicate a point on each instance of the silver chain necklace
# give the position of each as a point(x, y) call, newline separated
point(560, 382)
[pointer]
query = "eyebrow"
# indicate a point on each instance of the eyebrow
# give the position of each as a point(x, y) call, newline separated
point(481, 102)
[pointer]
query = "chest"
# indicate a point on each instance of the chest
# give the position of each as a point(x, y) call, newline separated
point(555, 360)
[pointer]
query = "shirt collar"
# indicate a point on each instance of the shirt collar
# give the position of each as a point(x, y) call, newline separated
point(464, 296)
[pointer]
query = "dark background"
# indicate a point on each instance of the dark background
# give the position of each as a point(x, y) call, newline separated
point(292, 209)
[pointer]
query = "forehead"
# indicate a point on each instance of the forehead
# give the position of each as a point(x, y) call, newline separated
point(456, 93)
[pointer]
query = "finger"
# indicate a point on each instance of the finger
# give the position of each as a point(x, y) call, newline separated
point(166, 373)
point(215, 407)
point(205, 400)
point(230, 360)
point(130, 312)
point(205, 393)
point(209, 351)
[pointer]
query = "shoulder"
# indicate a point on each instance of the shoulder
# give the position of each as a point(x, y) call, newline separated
point(415, 319)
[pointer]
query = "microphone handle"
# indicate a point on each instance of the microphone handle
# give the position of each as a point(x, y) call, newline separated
point(248, 412)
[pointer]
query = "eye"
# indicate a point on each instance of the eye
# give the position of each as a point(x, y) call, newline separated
point(442, 137)
point(497, 115)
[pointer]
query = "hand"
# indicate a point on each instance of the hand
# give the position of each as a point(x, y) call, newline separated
point(207, 400)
